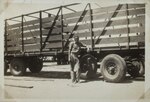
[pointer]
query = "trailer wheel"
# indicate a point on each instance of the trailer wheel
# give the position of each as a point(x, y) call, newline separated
point(17, 67)
point(113, 68)
point(142, 68)
point(88, 64)
point(36, 65)
point(137, 69)
point(6, 67)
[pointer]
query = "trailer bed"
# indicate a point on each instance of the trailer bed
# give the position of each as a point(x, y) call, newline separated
point(120, 27)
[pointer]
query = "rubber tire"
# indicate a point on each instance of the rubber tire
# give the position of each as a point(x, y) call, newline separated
point(137, 70)
point(121, 66)
point(17, 62)
point(90, 71)
point(142, 68)
point(6, 67)
point(36, 65)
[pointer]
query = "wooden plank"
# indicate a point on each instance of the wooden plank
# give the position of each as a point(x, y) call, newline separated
point(24, 23)
point(111, 31)
point(80, 27)
point(110, 9)
point(15, 42)
point(31, 22)
point(79, 34)
point(50, 19)
point(32, 47)
point(121, 31)
point(52, 38)
point(95, 17)
point(121, 22)
point(58, 30)
point(120, 48)
point(17, 25)
point(55, 37)
point(14, 32)
point(140, 38)
point(103, 10)
point(34, 40)
point(49, 24)
point(105, 16)
point(86, 42)
point(54, 45)
point(122, 39)
point(76, 14)
point(13, 48)
point(55, 30)
point(29, 34)
point(115, 31)
point(32, 27)
point(136, 20)
point(70, 15)
point(120, 14)
point(120, 45)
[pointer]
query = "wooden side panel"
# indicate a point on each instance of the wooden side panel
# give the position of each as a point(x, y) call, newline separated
point(100, 17)
point(33, 33)
point(110, 31)
point(32, 47)
point(106, 15)
point(103, 10)
point(140, 19)
point(122, 31)
point(111, 40)
point(13, 48)
point(54, 45)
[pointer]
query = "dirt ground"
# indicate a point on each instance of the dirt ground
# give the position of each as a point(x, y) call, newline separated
point(53, 83)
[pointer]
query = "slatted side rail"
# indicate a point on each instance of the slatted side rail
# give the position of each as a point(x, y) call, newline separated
point(118, 27)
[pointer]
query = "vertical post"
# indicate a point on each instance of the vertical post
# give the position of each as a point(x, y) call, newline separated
point(91, 27)
point(62, 28)
point(41, 40)
point(5, 35)
point(128, 37)
point(22, 33)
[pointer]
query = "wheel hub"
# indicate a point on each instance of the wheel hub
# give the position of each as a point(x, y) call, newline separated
point(112, 68)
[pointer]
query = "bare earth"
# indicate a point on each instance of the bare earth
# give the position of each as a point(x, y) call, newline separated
point(53, 83)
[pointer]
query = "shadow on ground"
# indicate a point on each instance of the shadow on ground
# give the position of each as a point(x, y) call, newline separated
point(66, 75)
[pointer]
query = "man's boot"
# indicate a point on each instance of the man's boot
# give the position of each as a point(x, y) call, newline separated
point(72, 76)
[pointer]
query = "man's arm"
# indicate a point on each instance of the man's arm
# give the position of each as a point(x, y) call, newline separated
point(69, 51)
point(84, 46)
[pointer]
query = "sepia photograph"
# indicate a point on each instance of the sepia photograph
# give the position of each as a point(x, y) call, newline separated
point(75, 50)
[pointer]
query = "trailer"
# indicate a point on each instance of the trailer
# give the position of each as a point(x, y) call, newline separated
point(114, 34)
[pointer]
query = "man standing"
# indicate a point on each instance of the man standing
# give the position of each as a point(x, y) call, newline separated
point(74, 50)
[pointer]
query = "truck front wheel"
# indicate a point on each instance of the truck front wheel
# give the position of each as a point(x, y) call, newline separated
point(35, 65)
point(137, 69)
point(88, 65)
point(113, 68)
point(17, 67)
